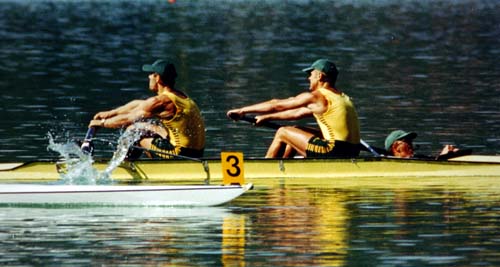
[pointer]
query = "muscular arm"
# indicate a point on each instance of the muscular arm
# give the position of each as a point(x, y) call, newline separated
point(160, 106)
point(291, 114)
point(297, 107)
point(119, 110)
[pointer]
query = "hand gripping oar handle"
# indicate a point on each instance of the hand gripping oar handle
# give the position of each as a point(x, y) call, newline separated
point(87, 146)
point(252, 120)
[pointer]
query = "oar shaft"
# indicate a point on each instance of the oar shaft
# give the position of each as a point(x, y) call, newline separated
point(90, 134)
point(367, 146)
point(87, 146)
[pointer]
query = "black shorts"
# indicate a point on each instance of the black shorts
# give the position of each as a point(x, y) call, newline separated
point(162, 148)
point(322, 148)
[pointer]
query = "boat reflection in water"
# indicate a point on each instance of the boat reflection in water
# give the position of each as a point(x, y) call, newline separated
point(233, 241)
point(345, 224)
point(111, 235)
point(342, 222)
point(309, 226)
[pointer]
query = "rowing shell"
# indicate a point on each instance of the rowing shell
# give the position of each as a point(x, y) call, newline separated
point(116, 195)
point(259, 170)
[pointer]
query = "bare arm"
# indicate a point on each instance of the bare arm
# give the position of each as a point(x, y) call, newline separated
point(276, 105)
point(154, 106)
point(290, 114)
point(119, 110)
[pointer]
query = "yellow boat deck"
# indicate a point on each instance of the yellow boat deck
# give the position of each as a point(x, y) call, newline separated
point(255, 170)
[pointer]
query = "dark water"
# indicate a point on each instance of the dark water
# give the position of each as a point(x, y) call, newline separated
point(426, 66)
point(292, 225)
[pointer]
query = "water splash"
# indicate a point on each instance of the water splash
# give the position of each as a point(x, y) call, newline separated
point(79, 169)
point(77, 164)
point(126, 140)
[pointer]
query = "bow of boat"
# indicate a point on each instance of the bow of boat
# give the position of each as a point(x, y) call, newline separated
point(119, 195)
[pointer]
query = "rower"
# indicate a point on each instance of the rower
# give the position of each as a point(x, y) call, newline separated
point(400, 144)
point(333, 110)
point(170, 122)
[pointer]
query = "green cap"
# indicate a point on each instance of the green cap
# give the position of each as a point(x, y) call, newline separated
point(325, 66)
point(398, 135)
point(162, 67)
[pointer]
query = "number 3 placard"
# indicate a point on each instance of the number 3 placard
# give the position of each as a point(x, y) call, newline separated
point(232, 168)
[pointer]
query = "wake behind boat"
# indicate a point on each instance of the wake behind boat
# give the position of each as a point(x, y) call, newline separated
point(116, 195)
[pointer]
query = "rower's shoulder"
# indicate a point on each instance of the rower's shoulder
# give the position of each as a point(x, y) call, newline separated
point(156, 102)
point(159, 98)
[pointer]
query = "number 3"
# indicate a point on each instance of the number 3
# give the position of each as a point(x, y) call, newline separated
point(235, 165)
point(232, 167)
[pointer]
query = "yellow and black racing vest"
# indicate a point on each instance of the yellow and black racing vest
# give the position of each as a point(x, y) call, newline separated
point(340, 120)
point(186, 129)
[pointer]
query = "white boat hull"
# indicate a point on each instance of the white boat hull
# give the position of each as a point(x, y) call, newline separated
point(187, 195)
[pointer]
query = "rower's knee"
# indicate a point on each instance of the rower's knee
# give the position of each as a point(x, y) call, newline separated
point(280, 133)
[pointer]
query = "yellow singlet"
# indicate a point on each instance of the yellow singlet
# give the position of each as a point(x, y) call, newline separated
point(340, 121)
point(186, 129)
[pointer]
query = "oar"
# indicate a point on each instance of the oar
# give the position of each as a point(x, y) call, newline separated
point(369, 148)
point(87, 146)
point(273, 125)
point(253, 121)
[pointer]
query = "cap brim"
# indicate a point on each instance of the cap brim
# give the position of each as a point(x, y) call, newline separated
point(308, 69)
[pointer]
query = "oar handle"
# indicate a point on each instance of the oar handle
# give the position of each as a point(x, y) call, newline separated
point(253, 121)
point(90, 134)
point(87, 146)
